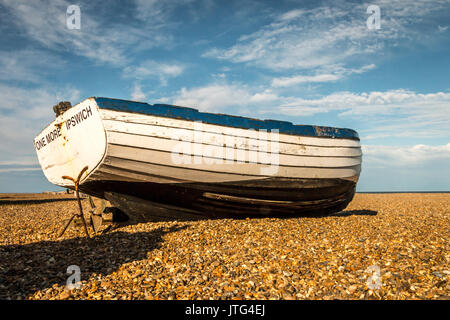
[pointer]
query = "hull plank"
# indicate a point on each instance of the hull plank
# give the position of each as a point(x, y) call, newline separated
point(164, 159)
point(218, 153)
point(152, 125)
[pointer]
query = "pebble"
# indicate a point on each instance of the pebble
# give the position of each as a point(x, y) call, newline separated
point(65, 295)
point(407, 241)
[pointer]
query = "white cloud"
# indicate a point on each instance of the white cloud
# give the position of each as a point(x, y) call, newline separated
point(372, 103)
point(21, 161)
point(290, 81)
point(34, 103)
point(400, 156)
point(150, 10)
point(429, 108)
point(264, 97)
point(98, 40)
point(332, 34)
point(137, 93)
point(337, 73)
point(399, 113)
point(23, 114)
point(219, 96)
point(219, 75)
point(27, 65)
point(152, 69)
point(20, 169)
point(298, 42)
point(292, 14)
point(213, 97)
point(412, 167)
point(158, 12)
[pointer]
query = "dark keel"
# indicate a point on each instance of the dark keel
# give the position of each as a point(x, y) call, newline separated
point(269, 197)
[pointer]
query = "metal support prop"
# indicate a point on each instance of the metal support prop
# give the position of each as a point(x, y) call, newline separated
point(80, 214)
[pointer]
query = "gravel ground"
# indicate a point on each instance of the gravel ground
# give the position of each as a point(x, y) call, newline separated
point(406, 236)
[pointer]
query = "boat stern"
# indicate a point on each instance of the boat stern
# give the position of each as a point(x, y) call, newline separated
point(74, 140)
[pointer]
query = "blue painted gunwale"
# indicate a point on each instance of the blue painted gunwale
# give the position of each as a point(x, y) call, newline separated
point(176, 112)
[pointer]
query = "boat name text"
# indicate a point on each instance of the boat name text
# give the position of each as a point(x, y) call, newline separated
point(79, 117)
point(70, 123)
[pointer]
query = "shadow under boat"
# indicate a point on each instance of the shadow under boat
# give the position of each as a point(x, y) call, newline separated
point(27, 268)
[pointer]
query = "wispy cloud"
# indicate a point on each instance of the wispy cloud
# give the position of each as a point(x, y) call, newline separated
point(98, 39)
point(152, 69)
point(28, 65)
point(290, 81)
point(20, 164)
point(401, 156)
point(400, 102)
point(328, 35)
point(158, 12)
point(325, 77)
point(373, 103)
point(298, 40)
point(213, 97)
point(23, 113)
point(22, 161)
point(20, 169)
point(382, 114)
point(137, 93)
point(417, 167)
point(33, 103)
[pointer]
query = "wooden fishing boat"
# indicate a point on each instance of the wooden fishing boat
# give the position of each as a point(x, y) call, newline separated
point(211, 164)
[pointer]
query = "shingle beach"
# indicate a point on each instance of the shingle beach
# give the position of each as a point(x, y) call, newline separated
point(402, 238)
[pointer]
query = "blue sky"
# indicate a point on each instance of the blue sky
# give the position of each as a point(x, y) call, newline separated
point(308, 62)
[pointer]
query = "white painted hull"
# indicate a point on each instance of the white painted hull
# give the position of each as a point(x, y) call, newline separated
point(140, 148)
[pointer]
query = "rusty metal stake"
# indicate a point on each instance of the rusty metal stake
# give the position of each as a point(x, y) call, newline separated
point(76, 184)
